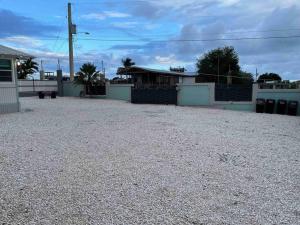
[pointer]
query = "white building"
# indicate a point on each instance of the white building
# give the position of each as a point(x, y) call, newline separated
point(9, 97)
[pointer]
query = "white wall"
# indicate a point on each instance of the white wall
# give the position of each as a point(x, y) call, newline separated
point(9, 100)
point(8, 95)
point(188, 80)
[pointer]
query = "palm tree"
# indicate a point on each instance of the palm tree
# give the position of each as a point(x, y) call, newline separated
point(26, 68)
point(128, 62)
point(88, 76)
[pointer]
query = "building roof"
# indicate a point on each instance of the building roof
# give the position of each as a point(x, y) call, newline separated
point(135, 70)
point(10, 52)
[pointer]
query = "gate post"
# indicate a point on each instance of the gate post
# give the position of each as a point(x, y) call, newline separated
point(59, 83)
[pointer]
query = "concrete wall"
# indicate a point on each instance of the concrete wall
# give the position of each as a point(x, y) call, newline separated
point(186, 80)
point(72, 90)
point(9, 99)
point(237, 106)
point(284, 94)
point(119, 91)
point(200, 94)
point(203, 94)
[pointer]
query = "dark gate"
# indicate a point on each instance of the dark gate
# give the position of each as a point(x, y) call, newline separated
point(154, 95)
point(96, 90)
point(233, 92)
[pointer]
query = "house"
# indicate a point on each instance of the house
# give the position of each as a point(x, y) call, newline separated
point(154, 86)
point(152, 78)
point(9, 99)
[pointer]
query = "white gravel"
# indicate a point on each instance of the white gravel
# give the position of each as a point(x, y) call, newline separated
point(88, 161)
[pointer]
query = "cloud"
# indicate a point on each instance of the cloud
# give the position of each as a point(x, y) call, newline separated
point(268, 55)
point(167, 20)
point(24, 41)
point(114, 14)
point(128, 24)
point(104, 15)
point(12, 24)
point(171, 59)
point(96, 16)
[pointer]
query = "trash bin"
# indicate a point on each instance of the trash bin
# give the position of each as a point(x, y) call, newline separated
point(53, 94)
point(281, 106)
point(270, 105)
point(260, 105)
point(292, 108)
point(41, 95)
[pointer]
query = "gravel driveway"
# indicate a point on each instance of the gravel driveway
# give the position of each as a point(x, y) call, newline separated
point(87, 161)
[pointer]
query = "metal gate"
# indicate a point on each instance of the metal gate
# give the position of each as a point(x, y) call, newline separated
point(96, 90)
point(154, 95)
point(233, 92)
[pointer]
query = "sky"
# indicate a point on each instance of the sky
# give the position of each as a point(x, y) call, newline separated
point(156, 33)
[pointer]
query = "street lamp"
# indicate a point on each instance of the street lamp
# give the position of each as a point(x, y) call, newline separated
point(86, 33)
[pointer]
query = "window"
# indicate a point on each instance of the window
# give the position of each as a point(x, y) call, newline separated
point(5, 70)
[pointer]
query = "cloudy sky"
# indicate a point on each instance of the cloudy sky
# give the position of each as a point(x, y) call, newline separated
point(157, 33)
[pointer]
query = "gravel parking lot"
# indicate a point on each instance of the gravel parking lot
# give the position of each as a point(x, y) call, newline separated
point(88, 161)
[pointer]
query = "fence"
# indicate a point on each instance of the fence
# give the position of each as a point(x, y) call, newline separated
point(154, 95)
point(197, 94)
point(96, 90)
point(276, 94)
point(9, 101)
point(32, 87)
point(70, 89)
point(119, 91)
point(232, 92)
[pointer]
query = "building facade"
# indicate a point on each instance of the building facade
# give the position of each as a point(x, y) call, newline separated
point(9, 96)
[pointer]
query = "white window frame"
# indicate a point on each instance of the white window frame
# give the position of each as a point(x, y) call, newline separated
point(12, 70)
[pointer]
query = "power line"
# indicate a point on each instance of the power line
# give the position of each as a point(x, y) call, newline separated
point(186, 40)
point(112, 1)
point(179, 40)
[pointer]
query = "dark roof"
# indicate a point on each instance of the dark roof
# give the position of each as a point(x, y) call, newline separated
point(10, 52)
point(135, 70)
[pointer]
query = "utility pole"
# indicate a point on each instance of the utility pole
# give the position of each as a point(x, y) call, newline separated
point(229, 77)
point(58, 64)
point(218, 69)
point(42, 72)
point(72, 30)
point(256, 74)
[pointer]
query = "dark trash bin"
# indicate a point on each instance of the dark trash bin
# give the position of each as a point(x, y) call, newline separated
point(41, 95)
point(292, 108)
point(260, 105)
point(53, 94)
point(270, 105)
point(281, 106)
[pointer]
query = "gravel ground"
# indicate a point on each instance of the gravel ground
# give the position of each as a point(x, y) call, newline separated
point(87, 161)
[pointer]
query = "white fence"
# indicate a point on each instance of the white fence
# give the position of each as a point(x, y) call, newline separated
point(31, 87)
point(8, 98)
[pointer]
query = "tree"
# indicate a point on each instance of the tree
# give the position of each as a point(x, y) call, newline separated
point(269, 77)
point(26, 68)
point(88, 76)
point(243, 78)
point(177, 69)
point(220, 61)
point(128, 62)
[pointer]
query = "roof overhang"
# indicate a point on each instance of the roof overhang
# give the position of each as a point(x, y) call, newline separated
point(6, 52)
point(135, 70)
